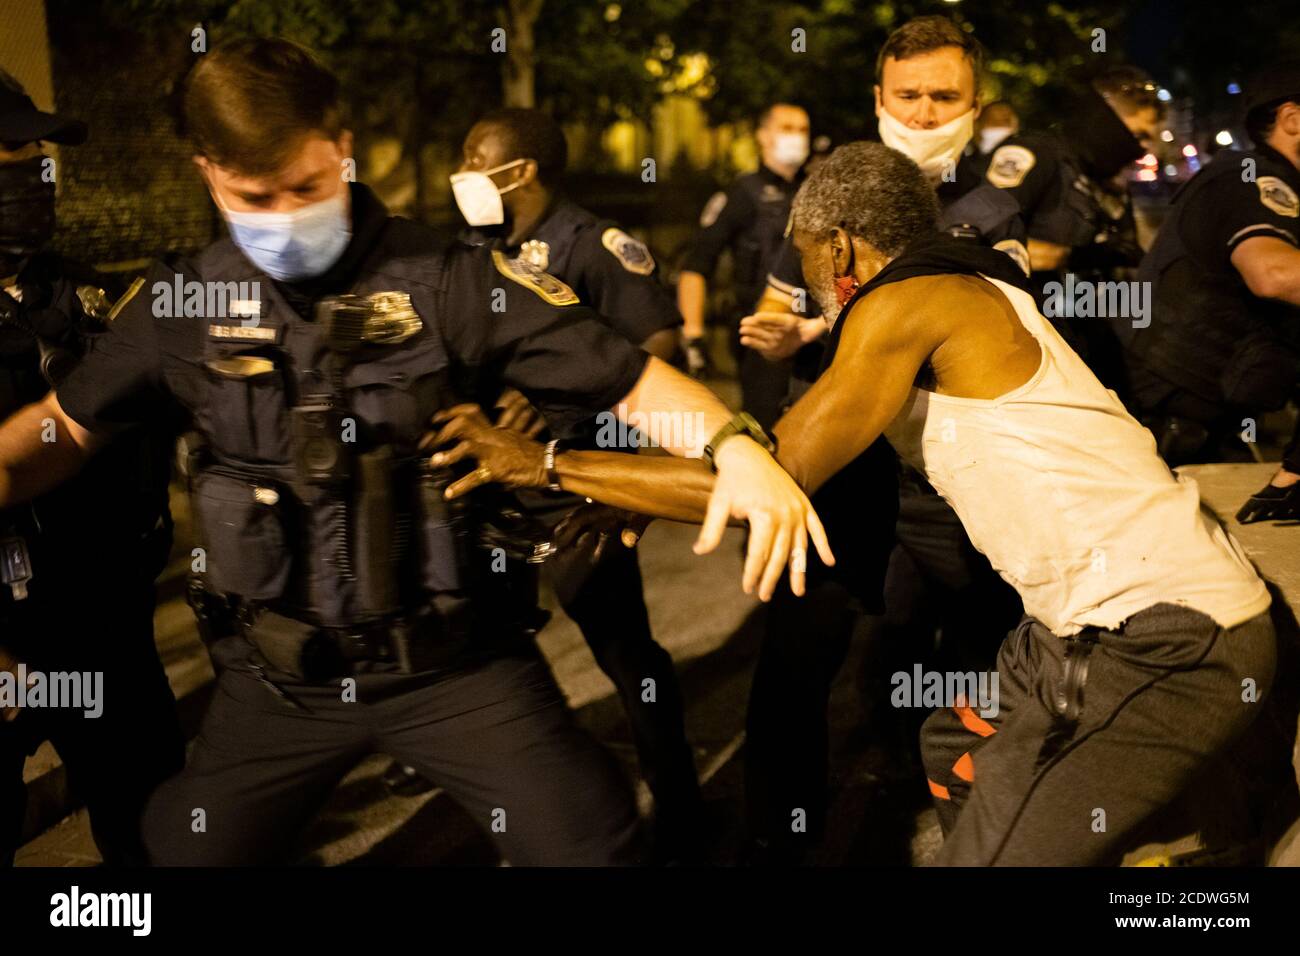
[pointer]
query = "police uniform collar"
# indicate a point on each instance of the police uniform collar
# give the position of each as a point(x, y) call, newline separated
point(767, 173)
point(1290, 172)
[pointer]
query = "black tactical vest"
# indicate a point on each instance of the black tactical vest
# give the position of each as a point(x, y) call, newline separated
point(1208, 333)
point(314, 502)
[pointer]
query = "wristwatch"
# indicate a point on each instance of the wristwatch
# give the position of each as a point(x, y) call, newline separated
point(743, 424)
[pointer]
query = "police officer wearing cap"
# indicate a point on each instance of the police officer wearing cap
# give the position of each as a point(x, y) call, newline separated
point(1223, 343)
point(311, 350)
point(1075, 203)
point(77, 564)
point(749, 219)
point(506, 190)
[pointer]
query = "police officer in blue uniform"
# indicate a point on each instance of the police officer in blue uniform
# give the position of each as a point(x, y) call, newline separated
point(506, 189)
point(749, 219)
point(77, 564)
point(1074, 200)
point(1223, 342)
point(312, 349)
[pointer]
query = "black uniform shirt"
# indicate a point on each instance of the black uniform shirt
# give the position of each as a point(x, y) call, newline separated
point(610, 271)
point(750, 218)
point(1209, 335)
point(567, 362)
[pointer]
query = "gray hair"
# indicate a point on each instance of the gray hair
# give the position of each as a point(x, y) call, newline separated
point(872, 192)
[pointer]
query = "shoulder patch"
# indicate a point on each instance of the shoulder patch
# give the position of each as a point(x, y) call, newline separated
point(1278, 196)
point(530, 277)
point(631, 253)
point(1010, 165)
point(713, 209)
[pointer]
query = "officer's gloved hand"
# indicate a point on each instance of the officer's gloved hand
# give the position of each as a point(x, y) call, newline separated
point(697, 357)
point(1276, 501)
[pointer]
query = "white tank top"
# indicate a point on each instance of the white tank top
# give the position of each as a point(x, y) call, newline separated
point(1063, 490)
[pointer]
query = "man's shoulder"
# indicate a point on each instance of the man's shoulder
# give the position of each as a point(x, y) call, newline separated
point(1024, 154)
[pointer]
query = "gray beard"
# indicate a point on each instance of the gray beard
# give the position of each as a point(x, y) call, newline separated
point(829, 302)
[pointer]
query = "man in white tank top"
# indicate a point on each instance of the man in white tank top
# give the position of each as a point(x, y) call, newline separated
point(1147, 647)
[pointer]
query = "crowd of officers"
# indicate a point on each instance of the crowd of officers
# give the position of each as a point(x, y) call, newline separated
point(1221, 349)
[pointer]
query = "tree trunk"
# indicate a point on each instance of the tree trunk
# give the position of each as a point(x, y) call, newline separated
point(519, 72)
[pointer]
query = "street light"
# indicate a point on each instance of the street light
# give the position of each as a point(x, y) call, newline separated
point(1223, 138)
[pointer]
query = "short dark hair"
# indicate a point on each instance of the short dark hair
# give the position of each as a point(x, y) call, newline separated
point(249, 103)
point(926, 34)
point(1132, 86)
point(872, 192)
point(532, 134)
point(766, 115)
point(1261, 120)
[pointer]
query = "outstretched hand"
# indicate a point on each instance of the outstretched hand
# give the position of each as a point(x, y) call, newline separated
point(753, 487)
point(503, 456)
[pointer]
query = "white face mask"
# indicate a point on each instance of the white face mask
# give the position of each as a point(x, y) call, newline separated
point(478, 197)
point(790, 149)
point(990, 136)
point(934, 150)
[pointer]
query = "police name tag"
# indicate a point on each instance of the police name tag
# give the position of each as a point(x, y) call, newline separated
point(244, 333)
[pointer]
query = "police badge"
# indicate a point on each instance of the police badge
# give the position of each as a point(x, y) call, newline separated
point(536, 253)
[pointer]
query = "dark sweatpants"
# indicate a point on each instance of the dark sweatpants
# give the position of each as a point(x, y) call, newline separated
point(1081, 753)
point(498, 736)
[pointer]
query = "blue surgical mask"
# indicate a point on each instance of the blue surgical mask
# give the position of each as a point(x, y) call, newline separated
point(293, 245)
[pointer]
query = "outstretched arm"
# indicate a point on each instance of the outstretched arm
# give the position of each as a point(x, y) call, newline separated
point(40, 448)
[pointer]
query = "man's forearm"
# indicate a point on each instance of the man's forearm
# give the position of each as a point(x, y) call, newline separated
point(692, 290)
point(670, 488)
point(37, 452)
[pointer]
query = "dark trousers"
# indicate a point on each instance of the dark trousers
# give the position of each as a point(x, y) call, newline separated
point(496, 735)
point(1093, 735)
point(606, 600)
point(787, 761)
point(805, 641)
point(113, 761)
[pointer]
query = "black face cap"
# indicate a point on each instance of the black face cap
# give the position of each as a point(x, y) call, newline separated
point(22, 123)
point(1274, 84)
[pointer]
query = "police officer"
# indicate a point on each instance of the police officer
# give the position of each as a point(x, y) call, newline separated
point(310, 349)
point(77, 564)
point(506, 189)
point(749, 218)
point(1223, 343)
point(1074, 200)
